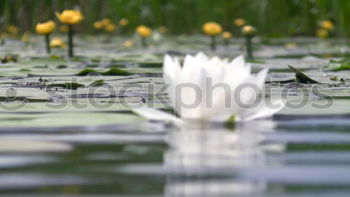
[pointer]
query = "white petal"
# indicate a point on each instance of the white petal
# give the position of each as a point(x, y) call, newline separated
point(171, 69)
point(260, 78)
point(192, 100)
point(202, 57)
point(155, 114)
point(238, 61)
point(263, 111)
point(189, 61)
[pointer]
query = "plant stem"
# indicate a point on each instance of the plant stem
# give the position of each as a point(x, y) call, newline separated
point(47, 43)
point(212, 43)
point(70, 41)
point(249, 47)
point(143, 42)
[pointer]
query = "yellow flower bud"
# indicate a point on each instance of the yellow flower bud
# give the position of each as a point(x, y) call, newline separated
point(106, 21)
point(291, 45)
point(110, 27)
point(45, 28)
point(123, 22)
point(143, 31)
point(239, 22)
point(163, 29)
point(98, 25)
point(322, 33)
point(249, 31)
point(212, 28)
point(327, 24)
point(226, 35)
point(56, 43)
point(128, 44)
point(70, 16)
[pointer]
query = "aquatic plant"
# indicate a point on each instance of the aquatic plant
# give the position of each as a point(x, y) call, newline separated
point(226, 37)
point(212, 29)
point(143, 32)
point(70, 18)
point(211, 105)
point(46, 29)
point(249, 32)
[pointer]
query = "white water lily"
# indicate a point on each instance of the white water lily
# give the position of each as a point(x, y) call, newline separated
point(208, 90)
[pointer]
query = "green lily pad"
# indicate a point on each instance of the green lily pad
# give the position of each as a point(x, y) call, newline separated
point(338, 65)
point(111, 72)
point(301, 77)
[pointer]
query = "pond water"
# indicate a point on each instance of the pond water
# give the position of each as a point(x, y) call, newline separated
point(86, 142)
point(300, 157)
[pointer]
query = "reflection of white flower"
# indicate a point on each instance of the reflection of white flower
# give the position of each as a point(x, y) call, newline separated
point(208, 150)
point(212, 90)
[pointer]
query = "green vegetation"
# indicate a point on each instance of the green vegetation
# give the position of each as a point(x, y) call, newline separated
point(338, 65)
point(274, 18)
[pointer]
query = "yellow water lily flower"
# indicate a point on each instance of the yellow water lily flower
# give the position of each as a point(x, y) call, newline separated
point(70, 17)
point(327, 24)
point(143, 31)
point(45, 28)
point(56, 43)
point(128, 44)
point(123, 22)
point(163, 29)
point(248, 30)
point(239, 22)
point(98, 25)
point(212, 28)
point(322, 33)
point(226, 35)
point(105, 21)
point(110, 27)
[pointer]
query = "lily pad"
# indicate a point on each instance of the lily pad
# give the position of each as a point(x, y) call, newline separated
point(301, 77)
point(111, 72)
point(71, 85)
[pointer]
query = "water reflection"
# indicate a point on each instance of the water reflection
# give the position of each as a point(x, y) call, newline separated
point(208, 160)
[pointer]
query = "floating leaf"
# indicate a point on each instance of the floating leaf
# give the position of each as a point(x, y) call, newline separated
point(97, 83)
point(301, 77)
point(71, 86)
point(9, 58)
point(111, 72)
point(338, 65)
point(61, 66)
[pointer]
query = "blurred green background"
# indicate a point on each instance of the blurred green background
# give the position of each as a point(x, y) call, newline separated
point(272, 17)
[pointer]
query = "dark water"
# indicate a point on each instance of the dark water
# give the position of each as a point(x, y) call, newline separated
point(285, 157)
